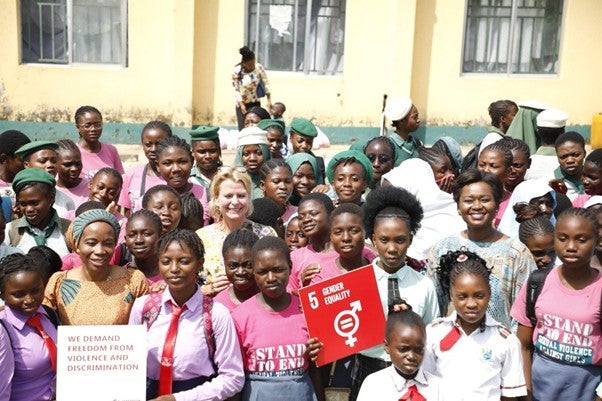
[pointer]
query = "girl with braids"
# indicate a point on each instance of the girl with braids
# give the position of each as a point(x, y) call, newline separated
point(502, 113)
point(166, 203)
point(477, 195)
point(138, 179)
point(475, 356)
point(591, 177)
point(174, 158)
point(239, 268)
point(441, 165)
point(31, 329)
point(273, 333)
point(533, 192)
point(204, 361)
point(537, 233)
point(381, 153)
point(142, 233)
point(95, 154)
point(521, 161)
point(277, 184)
point(249, 80)
point(391, 217)
point(68, 168)
point(561, 338)
point(497, 159)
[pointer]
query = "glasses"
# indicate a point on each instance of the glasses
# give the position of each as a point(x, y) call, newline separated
point(382, 158)
point(89, 126)
point(231, 169)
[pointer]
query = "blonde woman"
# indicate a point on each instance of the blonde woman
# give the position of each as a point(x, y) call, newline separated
point(230, 205)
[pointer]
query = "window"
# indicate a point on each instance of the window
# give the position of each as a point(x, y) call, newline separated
point(512, 36)
point(74, 31)
point(298, 35)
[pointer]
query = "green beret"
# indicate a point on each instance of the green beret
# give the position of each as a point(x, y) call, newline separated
point(303, 126)
point(204, 133)
point(33, 147)
point(33, 174)
point(347, 154)
point(265, 124)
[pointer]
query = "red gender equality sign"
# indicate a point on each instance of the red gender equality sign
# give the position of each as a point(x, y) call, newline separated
point(344, 313)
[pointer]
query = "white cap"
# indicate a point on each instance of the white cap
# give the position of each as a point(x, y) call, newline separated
point(397, 108)
point(534, 104)
point(252, 136)
point(594, 200)
point(552, 118)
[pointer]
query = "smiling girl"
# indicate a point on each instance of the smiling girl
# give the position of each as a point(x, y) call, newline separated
point(142, 233)
point(252, 150)
point(30, 327)
point(474, 355)
point(277, 184)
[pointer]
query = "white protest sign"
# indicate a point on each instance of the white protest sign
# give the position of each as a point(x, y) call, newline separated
point(101, 363)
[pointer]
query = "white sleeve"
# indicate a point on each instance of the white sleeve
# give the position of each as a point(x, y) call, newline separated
point(369, 388)
point(512, 376)
point(490, 138)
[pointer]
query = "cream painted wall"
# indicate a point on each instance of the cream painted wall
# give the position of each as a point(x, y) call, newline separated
point(446, 97)
point(378, 53)
point(156, 83)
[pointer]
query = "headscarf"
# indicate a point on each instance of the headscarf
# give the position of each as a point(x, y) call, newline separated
point(524, 192)
point(524, 127)
point(452, 149)
point(296, 160)
point(441, 218)
point(89, 217)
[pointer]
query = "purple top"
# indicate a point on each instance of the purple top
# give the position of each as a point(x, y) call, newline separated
point(8, 365)
point(33, 378)
point(191, 357)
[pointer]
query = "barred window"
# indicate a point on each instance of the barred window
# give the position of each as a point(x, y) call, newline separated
point(298, 35)
point(512, 36)
point(74, 31)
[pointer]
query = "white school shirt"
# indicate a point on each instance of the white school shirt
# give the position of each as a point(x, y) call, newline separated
point(387, 384)
point(416, 289)
point(482, 366)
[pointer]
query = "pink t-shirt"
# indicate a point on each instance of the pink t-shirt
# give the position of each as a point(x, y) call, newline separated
point(106, 157)
point(200, 193)
point(79, 193)
point(568, 321)
point(224, 298)
point(272, 341)
point(306, 256)
point(580, 200)
point(502, 208)
point(131, 196)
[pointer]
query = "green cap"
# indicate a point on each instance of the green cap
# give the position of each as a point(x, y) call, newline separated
point(303, 126)
point(265, 124)
point(34, 146)
point(33, 174)
point(350, 154)
point(204, 133)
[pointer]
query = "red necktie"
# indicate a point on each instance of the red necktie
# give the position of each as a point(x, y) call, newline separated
point(165, 379)
point(36, 323)
point(450, 339)
point(412, 395)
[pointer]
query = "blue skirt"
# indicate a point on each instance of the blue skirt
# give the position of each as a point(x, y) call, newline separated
point(283, 388)
point(554, 380)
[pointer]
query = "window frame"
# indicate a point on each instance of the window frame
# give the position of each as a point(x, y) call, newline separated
point(69, 41)
point(511, 48)
point(306, 71)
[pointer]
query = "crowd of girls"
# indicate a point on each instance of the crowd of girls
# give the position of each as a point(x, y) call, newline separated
point(490, 280)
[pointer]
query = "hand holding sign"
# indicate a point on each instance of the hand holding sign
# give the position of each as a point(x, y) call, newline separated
point(344, 315)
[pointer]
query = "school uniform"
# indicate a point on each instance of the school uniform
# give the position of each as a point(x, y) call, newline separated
point(388, 384)
point(34, 377)
point(7, 361)
point(484, 365)
point(51, 236)
point(191, 359)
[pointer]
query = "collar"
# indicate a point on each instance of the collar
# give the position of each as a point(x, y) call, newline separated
point(18, 320)
point(23, 223)
point(401, 382)
point(192, 304)
point(546, 151)
point(381, 274)
point(560, 173)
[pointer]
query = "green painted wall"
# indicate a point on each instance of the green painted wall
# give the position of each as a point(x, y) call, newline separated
point(130, 133)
